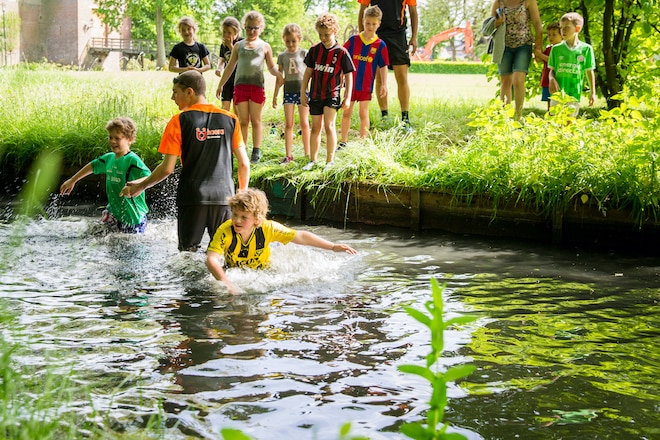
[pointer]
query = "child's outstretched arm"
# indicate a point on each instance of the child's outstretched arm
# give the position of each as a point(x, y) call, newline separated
point(229, 69)
point(214, 264)
point(278, 85)
point(68, 184)
point(307, 238)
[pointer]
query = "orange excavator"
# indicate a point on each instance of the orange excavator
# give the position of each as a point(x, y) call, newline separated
point(468, 38)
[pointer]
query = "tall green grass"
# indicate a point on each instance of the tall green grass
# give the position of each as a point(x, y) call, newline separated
point(462, 146)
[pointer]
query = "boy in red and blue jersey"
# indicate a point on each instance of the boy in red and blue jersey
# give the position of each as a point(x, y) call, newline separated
point(370, 56)
point(328, 66)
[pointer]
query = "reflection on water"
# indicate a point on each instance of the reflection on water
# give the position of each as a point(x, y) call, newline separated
point(566, 345)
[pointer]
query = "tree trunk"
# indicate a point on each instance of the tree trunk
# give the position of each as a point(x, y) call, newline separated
point(160, 39)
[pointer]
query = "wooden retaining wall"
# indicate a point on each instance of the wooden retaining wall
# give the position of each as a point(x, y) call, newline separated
point(420, 210)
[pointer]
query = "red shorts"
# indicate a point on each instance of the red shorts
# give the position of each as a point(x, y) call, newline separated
point(361, 96)
point(248, 92)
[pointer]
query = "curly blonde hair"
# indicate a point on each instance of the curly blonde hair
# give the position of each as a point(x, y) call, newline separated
point(327, 21)
point(250, 200)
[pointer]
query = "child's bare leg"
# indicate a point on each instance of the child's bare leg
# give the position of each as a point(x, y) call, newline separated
point(303, 114)
point(226, 105)
point(255, 119)
point(329, 121)
point(346, 122)
point(364, 118)
point(243, 113)
point(289, 110)
point(315, 136)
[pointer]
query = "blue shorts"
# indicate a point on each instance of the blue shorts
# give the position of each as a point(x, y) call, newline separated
point(515, 60)
point(292, 98)
point(545, 93)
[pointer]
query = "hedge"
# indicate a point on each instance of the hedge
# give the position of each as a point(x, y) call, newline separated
point(448, 67)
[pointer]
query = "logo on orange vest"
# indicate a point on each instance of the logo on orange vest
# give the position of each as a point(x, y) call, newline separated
point(203, 134)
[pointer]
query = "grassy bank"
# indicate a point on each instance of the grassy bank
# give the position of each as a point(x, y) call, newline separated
point(462, 145)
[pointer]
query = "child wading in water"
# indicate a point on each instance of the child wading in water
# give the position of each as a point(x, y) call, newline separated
point(231, 34)
point(120, 165)
point(291, 64)
point(245, 239)
point(189, 54)
point(328, 65)
point(248, 58)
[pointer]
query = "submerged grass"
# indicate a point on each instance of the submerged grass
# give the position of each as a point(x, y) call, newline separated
point(464, 147)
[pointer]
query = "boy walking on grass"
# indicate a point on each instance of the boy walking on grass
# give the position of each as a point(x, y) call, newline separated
point(327, 64)
point(570, 61)
point(370, 57)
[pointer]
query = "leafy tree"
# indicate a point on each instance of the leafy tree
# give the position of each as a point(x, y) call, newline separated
point(438, 16)
point(625, 35)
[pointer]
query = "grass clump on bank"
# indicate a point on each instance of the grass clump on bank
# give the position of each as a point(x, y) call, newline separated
point(466, 148)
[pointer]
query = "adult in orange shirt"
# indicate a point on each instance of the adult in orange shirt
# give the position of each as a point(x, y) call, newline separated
point(203, 137)
point(392, 31)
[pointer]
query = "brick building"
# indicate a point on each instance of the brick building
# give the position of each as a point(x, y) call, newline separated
point(58, 31)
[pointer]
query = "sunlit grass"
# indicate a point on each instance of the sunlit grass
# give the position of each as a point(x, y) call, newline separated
point(462, 144)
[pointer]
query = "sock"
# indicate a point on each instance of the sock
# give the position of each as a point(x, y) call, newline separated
point(404, 115)
point(383, 113)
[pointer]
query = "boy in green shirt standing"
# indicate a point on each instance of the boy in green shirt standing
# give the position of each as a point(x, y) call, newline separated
point(571, 60)
point(122, 214)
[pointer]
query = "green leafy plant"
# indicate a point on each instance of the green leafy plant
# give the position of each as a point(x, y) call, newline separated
point(434, 426)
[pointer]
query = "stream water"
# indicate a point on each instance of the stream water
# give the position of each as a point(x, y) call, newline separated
point(566, 344)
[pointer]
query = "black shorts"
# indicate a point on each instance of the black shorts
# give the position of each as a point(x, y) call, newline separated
point(397, 48)
point(316, 106)
point(194, 219)
point(228, 92)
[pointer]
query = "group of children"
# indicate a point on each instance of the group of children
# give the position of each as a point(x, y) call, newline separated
point(312, 79)
point(566, 62)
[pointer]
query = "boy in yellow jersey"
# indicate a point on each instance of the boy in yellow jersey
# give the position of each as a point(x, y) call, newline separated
point(245, 239)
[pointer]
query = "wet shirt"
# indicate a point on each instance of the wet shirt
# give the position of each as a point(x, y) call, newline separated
point(118, 171)
point(367, 57)
point(328, 66)
point(204, 137)
point(255, 254)
point(187, 56)
point(250, 65)
point(570, 65)
point(292, 64)
point(394, 14)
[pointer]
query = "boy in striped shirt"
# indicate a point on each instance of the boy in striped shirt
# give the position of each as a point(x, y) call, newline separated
point(328, 63)
point(370, 57)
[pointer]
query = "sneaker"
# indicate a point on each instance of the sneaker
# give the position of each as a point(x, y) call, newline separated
point(286, 160)
point(328, 165)
point(256, 155)
point(385, 122)
point(406, 126)
point(341, 145)
point(311, 164)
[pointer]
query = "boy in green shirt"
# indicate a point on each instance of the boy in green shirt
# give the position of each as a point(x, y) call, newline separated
point(123, 214)
point(571, 60)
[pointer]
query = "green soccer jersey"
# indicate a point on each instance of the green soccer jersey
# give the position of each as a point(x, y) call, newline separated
point(570, 65)
point(118, 171)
